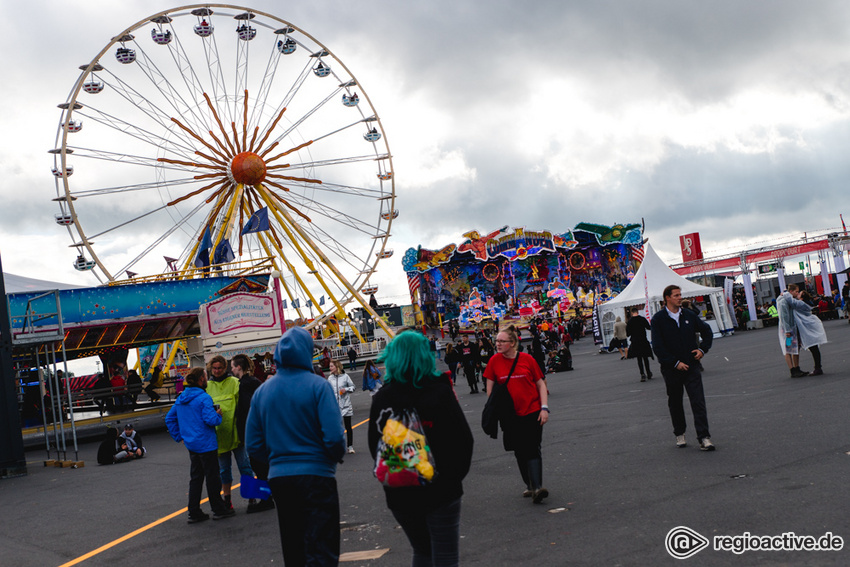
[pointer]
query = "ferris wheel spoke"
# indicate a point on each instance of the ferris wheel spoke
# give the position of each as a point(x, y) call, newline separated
point(126, 223)
point(290, 95)
point(128, 188)
point(336, 189)
point(342, 252)
point(168, 91)
point(335, 215)
point(221, 128)
point(196, 192)
point(144, 161)
point(325, 162)
point(137, 132)
point(161, 238)
point(265, 86)
point(185, 68)
point(143, 104)
point(219, 83)
point(286, 133)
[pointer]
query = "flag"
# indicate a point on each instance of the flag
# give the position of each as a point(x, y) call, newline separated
point(131, 275)
point(296, 304)
point(309, 303)
point(322, 300)
point(646, 296)
point(284, 304)
point(637, 253)
point(203, 258)
point(259, 221)
point(413, 282)
point(223, 252)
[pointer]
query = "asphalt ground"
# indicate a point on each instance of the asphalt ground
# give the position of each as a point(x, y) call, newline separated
point(617, 482)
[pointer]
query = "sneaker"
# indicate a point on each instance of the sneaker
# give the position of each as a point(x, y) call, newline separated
point(262, 506)
point(680, 441)
point(351, 450)
point(642, 378)
point(817, 372)
point(229, 513)
point(539, 494)
point(527, 493)
point(199, 518)
point(706, 444)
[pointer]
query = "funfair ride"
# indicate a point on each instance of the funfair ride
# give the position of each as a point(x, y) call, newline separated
point(221, 138)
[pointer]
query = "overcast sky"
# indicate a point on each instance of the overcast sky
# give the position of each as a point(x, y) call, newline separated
point(730, 119)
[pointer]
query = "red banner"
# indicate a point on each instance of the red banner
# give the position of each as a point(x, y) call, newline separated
point(691, 247)
point(788, 251)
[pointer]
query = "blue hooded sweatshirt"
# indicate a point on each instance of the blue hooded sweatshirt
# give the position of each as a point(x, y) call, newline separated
point(192, 419)
point(294, 422)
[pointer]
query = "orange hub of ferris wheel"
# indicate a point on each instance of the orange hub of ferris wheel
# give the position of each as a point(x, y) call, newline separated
point(248, 168)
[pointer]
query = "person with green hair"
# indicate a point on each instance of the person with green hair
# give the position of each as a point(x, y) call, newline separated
point(428, 514)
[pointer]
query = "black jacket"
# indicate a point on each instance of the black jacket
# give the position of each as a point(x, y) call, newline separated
point(248, 384)
point(636, 329)
point(675, 343)
point(448, 436)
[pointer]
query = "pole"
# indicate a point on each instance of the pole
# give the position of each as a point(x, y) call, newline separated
point(12, 460)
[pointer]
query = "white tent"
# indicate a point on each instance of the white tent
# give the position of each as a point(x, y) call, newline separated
point(651, 279)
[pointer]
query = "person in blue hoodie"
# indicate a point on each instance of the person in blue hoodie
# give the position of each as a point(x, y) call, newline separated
point(193, 419)
point(294, 426)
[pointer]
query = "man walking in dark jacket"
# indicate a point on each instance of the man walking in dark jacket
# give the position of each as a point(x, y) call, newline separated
point(674, 341)
point(469, 354)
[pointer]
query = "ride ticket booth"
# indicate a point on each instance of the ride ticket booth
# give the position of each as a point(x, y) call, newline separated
point(239, 323)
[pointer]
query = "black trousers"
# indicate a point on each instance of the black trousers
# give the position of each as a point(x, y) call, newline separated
point(204, 467)
point(677, 383)
point(524, 437)
point(308, 516)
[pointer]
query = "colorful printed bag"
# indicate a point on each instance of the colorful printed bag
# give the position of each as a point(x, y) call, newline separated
point(404, 457)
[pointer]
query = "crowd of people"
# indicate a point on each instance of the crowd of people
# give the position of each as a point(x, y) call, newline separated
point(293, 429)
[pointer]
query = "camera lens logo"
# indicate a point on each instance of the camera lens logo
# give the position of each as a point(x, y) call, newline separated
point(683, 542)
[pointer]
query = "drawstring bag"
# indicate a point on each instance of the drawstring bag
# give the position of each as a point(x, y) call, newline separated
point(251, 487)
point(404, 457)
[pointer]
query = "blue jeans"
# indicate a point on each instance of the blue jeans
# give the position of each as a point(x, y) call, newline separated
point(308, 517)
point(242, 461)
point(203, 467)
point(434, 536)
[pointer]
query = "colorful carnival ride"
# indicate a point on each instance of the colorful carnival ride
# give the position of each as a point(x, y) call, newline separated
point(519, 273)
point(209, 154)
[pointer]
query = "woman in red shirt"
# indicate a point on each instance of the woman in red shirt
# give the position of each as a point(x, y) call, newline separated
point(524, 434)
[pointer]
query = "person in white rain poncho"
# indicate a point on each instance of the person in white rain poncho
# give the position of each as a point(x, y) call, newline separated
point(809, 327)
point(343, 387)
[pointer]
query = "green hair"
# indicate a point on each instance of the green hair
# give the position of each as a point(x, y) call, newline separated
point(408, 359)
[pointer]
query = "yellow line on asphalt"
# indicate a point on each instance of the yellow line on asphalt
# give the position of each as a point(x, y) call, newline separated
point(143, 529)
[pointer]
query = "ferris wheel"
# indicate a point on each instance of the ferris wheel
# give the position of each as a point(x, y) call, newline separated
point(215, 138)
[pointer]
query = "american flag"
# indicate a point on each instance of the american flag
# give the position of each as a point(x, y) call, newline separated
point(637, 253)
point(413, 282)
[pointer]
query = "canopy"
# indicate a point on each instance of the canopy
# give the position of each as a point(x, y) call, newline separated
point(21, 284)
point(651, 279)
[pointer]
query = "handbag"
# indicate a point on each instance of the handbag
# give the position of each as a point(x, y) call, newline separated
point(499, 406)
point(403, 457)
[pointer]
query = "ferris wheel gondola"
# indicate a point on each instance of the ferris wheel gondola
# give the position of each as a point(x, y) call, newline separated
point(190, 134)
